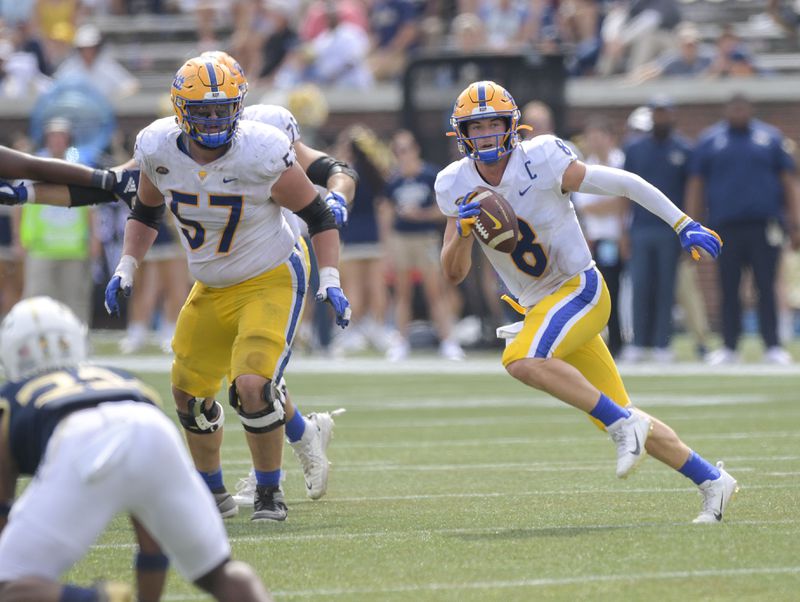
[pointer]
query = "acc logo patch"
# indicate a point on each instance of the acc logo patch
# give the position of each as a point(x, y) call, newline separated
point(162, 170)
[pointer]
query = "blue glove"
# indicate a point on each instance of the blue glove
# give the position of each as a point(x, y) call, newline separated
point(338, 206)
point(126, 185)
point(121, 283)
point(695, 236)
point(11, 194)
point(467, 214)
point(331, 291)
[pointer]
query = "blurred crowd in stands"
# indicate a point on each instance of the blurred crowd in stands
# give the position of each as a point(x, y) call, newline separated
point(355, 43)
point(56, 59)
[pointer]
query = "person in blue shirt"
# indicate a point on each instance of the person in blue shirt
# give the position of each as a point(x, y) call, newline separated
point(661, 157)
point(742, 179)
point(98, 445)
point(415, 244)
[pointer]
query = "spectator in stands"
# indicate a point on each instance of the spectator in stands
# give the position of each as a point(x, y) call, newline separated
point(91, 64)
point(20, 77)
point(362, 259)
point(581, 26)
point(732, 58)
point(661, 157)
point(415, 244)
point(539, 116)
point(282, 38)
point(637, 34)
point(57, 20)
point(742, 178)
point(395, 31)
point(509, 24)
point(315, 20)
point(691, 58)
point(601, 218)
point(786, 15)
point(57, 240)
point(337, 57)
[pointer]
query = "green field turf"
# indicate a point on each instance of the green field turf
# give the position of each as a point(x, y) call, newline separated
point(472, 487)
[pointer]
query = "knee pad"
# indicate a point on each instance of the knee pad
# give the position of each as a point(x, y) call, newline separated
point(267, 419)
point(200, 420)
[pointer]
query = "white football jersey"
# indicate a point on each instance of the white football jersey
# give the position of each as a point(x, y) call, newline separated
point(230, 227)
point(551, 248)
point(281, 118)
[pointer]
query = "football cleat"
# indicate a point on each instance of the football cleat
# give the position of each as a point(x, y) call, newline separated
point(269, 504)
point(630, 434)
point(311, 451)
point(246, 490)
point(225, 504)
point(717, 494)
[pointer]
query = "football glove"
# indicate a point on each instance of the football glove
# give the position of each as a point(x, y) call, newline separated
point(331, 291)
point(694, 236)
point(15, 194)
point(126, 185)
point(121, 283)
point(338, 206)
point(467, 214)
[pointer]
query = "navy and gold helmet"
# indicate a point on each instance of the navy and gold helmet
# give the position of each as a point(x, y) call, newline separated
point(207, 100)
point(231, 63)
point(482, 100)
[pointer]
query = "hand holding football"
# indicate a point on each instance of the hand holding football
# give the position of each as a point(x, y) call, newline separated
point(496, 225)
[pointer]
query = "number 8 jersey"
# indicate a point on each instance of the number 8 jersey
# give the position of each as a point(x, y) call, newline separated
point(230, 227)
point(551, 248)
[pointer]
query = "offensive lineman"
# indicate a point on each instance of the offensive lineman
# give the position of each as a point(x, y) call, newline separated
point(95, 440)
point(558, 348)
point(225, 181)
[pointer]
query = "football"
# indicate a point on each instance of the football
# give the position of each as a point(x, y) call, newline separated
point(496, 226)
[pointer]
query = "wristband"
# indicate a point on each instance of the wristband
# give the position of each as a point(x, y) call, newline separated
point(329, 278)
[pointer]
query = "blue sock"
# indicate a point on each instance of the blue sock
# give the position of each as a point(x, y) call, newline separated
point(296, 426)
point(268, 478)
point(74, 593)
point(213, 480)
point(699, 470)
point(607, 412)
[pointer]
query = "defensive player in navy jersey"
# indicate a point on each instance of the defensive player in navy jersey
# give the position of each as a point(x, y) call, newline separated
point(558, 348)
point(98, 445)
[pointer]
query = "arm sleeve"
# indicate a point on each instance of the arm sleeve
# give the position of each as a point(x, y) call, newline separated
point(617, 182)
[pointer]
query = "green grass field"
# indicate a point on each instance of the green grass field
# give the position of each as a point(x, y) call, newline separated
point(472, 487)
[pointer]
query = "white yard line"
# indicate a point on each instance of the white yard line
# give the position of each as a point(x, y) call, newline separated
point(434, 365)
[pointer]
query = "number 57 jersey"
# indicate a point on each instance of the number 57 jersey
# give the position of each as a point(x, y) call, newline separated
point(230, 227)
point(551, 246)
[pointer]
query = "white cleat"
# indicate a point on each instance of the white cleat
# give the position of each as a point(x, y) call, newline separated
point(717, 494)
point(246, 490)
point(630, 434)
point(311, 451)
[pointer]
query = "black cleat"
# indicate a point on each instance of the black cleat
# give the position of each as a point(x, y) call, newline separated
point(269, 504)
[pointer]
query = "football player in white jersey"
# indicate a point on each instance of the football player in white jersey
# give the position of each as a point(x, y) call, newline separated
point(225, 181)
point(557, 348)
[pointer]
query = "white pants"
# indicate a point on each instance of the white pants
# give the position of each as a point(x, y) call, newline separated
point(116, 457)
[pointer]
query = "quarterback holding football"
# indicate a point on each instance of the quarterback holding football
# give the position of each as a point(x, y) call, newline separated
point(557, 348)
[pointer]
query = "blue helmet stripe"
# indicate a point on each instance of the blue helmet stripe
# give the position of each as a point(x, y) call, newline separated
point(212, 77)
point(482, 95)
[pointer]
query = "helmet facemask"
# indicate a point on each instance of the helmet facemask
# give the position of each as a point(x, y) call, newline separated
point(471, 145)
point(210, 123)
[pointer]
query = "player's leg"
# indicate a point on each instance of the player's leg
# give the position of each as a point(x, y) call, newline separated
point(234, 581)
point(202, 344)
point(554, 328)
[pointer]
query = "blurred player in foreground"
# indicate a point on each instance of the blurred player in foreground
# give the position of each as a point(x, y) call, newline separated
point(97, 445)
point(558, 348)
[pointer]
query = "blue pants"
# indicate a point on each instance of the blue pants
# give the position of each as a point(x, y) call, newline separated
point(653, 266)
point(746, 245)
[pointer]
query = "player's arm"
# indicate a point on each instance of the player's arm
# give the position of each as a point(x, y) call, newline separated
point(294, 191)
point(151, 565)
point(16, 165)
point(336, 176)
point(141, 230)
point(456, 252)
point(610, 181)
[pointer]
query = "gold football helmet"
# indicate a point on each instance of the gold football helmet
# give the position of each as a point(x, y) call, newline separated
point(207, 101)
point(482, 100)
